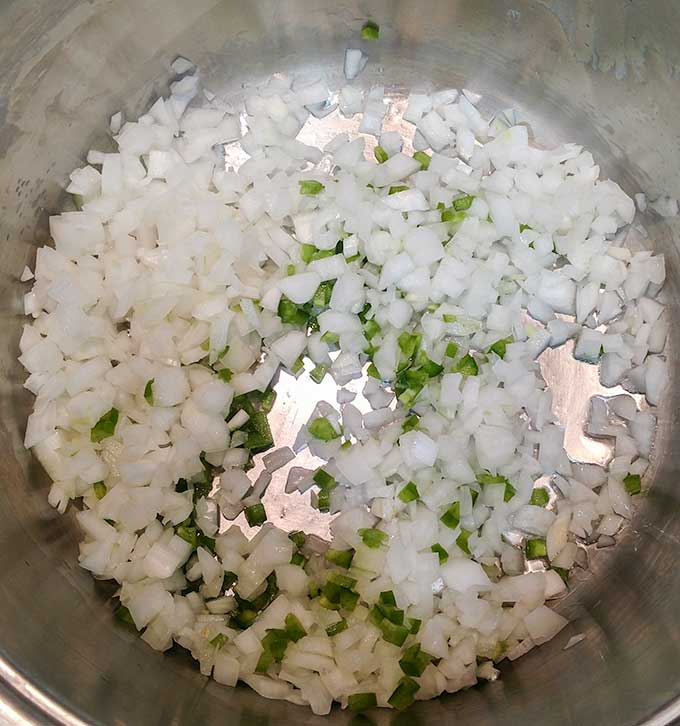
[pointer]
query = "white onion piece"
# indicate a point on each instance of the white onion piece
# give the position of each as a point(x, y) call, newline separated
point(355, 61)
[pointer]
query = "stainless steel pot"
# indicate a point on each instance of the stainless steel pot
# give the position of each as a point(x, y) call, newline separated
point(601, 72)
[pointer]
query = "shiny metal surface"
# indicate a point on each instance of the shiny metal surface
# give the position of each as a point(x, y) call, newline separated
point(603, 73)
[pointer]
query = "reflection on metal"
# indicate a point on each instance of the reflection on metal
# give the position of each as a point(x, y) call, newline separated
point(573, 383)
point(295, 401)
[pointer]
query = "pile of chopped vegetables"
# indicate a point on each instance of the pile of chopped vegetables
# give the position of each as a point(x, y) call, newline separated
point(172, 298)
